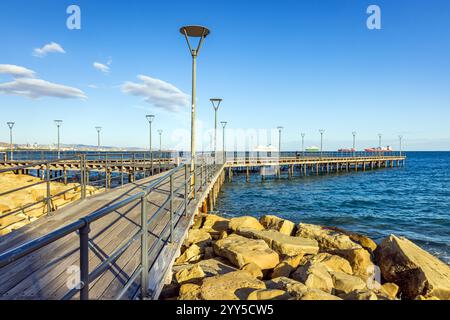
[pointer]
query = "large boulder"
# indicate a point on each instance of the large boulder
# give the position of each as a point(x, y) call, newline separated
point(281, 243)
point(253, 269)
point(316, 294)
point(190, 291)
point(333, 262)
point(216, 266)
point(199, 237)
point(214, 224)
point(359, 295)
point(360, 261)
point(191, 254)
point(327, 239)
point(364, 241)
point(269, 294)
point(235, 285)
point(194, 274)
point(273, 222)
point(345, 283)
point(414, 270)
point(314, 276)
point(287, 266)
point(245, 222)
point(295, 288)
point(240, 251)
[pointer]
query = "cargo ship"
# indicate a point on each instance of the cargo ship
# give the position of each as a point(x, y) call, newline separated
point(378, 149)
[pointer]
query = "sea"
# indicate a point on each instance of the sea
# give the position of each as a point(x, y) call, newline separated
point(411, 201)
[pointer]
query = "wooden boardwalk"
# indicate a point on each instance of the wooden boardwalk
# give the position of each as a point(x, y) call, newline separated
point(49, 272)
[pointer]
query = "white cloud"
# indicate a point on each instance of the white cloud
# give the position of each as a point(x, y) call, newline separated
point(48, 48)
point(16, 71)
point(25, 84)
point(157, 93)
point(100, 66)
point(37, 88)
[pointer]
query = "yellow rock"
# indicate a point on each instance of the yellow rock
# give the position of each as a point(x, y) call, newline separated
point(240, 251)
point(333, 262)
point(420, 297)
point(314, 276)
point(315, 294)
point(359, 260)
point(191, 254)
point(215, 224)
point(269, 294)
point(413, 269)
point(294, 288)
point(197, 236)
point(253, 269)
point(273, 222)
point(189, 291)
point(390, 289)
point(359, 295)
point(245, 222)
point(231, 286)
point(345, 283)
point(327, 239)
point(283, 269)
point(193, 275)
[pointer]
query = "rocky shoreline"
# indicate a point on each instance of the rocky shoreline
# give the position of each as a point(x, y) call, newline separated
point(272, 258)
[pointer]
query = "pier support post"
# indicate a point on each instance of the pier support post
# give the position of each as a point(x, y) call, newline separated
point(247, 174)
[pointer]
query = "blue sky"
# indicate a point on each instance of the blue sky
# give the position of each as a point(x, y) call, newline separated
point(303, 65)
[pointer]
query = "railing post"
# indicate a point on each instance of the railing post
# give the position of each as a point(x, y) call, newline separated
point(121, 169)
point(144, 248)
point(106, 172)
point(186, 178)
point(47, 179)
point(84, 261)
point(171, 208)
point(83, 176)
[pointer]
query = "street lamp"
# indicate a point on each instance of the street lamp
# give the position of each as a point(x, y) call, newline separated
point(279, 141)
point(215, 103)
point(379, 140)
point(303, 143)
point(321, 131)
point(224, 124)
point(10, 125)
point(58, 125)
point(400, 141)
point(193, 32)
point(150, 118)
point(354, 142)
point(98, 136)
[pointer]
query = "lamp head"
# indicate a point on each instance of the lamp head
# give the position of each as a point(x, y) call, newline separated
point(160, 132)
point(10, 124)
point(280, 128)
point(150, 117)
point(194, 31)
point(354, 133)
point(223, 123)
point(215, 102)
point(98, 129)
point(321, 131)
point(58, 122)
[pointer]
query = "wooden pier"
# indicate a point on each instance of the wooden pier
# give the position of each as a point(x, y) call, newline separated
point(121, 244)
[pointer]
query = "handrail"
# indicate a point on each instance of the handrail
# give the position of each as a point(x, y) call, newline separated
point(82, 226)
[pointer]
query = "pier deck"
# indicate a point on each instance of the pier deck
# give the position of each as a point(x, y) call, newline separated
point(100, 247)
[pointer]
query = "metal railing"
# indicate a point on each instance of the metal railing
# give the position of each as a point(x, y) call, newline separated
point(203, 173)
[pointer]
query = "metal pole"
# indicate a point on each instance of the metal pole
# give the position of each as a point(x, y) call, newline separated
point(224, 124)
point(400, 138)
point(186, 178)
point(171, 208)
point(354, 143)
point(11, 148)
point(150, 118)
point(84, 262)
point(194, 77)
point(47, 180)
point(321, 141)
point(144, 248)
point(160, 148)
point(303, 144)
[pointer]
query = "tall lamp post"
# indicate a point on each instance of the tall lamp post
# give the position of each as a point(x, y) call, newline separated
point(224, 124)
point(400, 141)
point(98, 136)
point(194, 32)
point(58, 125)
point(379, 143)
point(303, 143)
point(321, 131)
point(215, 103)
point(11, 125)
point(279, 141)
point(354, 143)
point(150, 118)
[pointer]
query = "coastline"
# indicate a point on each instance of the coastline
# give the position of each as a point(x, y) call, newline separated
point(245, 259)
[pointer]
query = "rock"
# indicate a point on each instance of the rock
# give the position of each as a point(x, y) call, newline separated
point(294, 261)
point(214, 224)
point(198, 222)
point(327, 239)
point(273, 222)
point(235, 285)
point(209, 253)
point(199, 237)
point(240, 251)
point(253, 269)
point(333, 262)
point(191, 254)
point(190, 291)
point(364, 241)
point(314, 276)
point(216, 266)
point(390, 289)
point(315, 294)
point(281, 243)
point(269, 294)
point(359, 295)
point(359, 260)
point(294, 288)
point(223, 235)
point(245, 222)
point(345, 283)
point(192, 275)
point(414, 270)
point(283, 269)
